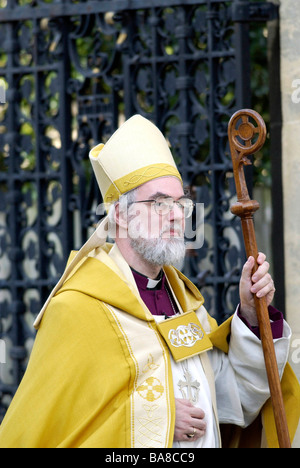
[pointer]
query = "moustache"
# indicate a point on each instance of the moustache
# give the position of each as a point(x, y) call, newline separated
point(174, 227)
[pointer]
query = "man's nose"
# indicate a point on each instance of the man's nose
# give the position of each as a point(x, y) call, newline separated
point(176, 212)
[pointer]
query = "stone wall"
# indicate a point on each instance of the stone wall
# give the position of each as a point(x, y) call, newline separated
point(290, 87)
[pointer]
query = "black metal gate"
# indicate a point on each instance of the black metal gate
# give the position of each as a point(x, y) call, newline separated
point(74, 69)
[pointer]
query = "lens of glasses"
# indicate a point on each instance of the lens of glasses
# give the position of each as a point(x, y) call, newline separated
point(165, 205)
point(187, 206)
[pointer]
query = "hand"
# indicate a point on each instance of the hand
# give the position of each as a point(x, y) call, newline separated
point(188, 417)
point(260, 283)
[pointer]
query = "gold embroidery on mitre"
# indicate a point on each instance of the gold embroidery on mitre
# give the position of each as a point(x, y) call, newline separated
point(138, 177)
point(148, 174)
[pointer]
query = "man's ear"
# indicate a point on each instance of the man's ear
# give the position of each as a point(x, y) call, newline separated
point(121, 217)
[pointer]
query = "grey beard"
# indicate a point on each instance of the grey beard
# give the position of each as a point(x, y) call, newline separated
point(160, 251)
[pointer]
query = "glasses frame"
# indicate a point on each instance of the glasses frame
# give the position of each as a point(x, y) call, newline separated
point(155, 203)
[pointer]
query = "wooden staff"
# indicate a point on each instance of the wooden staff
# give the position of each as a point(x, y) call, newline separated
point(247, 135)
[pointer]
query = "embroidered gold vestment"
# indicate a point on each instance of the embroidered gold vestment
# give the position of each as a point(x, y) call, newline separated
point(100, 375)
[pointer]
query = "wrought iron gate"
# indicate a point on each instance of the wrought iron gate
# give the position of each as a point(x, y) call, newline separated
point(74, 69)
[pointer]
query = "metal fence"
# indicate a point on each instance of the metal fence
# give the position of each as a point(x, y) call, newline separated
point(72, 72)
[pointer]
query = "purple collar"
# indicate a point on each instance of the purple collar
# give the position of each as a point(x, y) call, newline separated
point(156, 298)
point(147, 284)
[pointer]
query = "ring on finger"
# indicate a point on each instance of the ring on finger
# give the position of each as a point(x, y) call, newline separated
point(191, 436)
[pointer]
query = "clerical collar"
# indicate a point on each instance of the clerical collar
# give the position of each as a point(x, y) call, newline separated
point(148, 283)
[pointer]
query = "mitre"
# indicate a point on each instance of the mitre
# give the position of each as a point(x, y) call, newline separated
point(135, 154)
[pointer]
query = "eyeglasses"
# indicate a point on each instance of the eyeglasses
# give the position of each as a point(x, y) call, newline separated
point(163, 206)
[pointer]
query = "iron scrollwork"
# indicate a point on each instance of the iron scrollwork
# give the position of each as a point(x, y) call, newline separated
point(73, 75)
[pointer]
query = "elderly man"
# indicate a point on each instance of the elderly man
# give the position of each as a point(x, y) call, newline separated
point(126, 354)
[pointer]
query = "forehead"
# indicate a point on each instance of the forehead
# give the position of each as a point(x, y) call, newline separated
point(169, 186)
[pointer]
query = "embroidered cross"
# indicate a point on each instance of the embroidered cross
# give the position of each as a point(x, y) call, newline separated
point(191, 386)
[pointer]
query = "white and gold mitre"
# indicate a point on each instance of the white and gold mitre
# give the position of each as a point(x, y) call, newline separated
point(136, 153)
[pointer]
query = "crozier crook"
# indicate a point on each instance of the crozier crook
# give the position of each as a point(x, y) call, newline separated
point(245, 139)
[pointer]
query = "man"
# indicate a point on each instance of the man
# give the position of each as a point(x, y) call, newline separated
point(107, 369)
